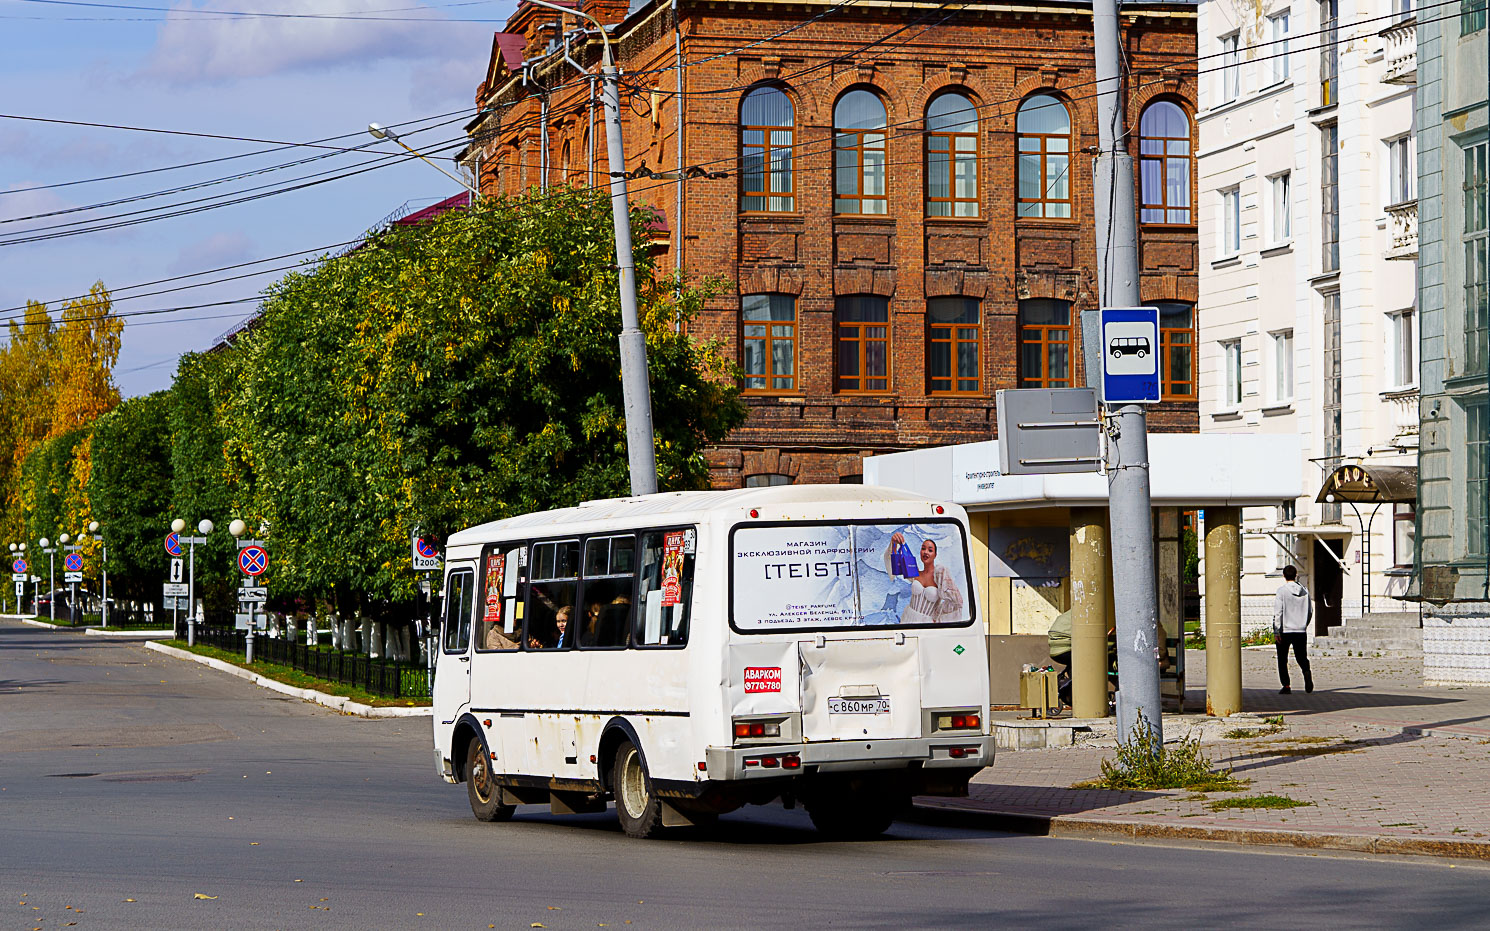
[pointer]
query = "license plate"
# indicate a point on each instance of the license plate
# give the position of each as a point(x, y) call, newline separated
point(859, 706)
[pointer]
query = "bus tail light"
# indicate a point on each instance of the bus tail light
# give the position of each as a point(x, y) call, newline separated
point(791, 761)
point(749, 729)
point(958, 722)
point(770, 762)
point(959, 753)
point(785, 761)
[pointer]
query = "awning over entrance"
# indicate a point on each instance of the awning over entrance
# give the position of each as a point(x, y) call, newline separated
point(1374, 484)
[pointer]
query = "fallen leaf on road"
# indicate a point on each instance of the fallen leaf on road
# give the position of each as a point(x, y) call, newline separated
point(203, 895)
point(129, 900)
point(536, 924)
point(253, 843)
point(556, 908)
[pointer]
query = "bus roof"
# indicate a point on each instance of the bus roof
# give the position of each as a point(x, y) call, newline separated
point(681, 505)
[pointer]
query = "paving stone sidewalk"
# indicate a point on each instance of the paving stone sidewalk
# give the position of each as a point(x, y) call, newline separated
point(1382, 765)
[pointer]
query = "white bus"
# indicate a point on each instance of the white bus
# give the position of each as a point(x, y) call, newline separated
point(688, 653)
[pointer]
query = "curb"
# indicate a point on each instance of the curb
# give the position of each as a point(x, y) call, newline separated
point(334, 702)
point(1146, 831)
point(141, 634)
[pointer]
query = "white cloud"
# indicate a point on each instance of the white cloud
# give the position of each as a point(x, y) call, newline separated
point(193, 48)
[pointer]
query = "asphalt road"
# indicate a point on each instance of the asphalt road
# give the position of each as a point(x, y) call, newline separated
point(132, 785)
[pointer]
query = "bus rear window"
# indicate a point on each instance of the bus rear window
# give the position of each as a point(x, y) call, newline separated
point(830, 576)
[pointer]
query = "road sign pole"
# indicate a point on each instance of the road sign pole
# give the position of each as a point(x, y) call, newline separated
point(1128, 467)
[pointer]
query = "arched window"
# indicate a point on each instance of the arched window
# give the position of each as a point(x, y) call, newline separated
point(859, 150)
point(766, 129)
point(951, 157)
point(1044, 129)
point(564, 163)
point(1044, 343)
point(1164, 164)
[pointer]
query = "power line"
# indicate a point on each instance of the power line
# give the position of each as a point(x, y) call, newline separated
point(223, 158)
point(241, 14)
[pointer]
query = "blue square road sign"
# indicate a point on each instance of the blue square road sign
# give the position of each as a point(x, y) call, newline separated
point(1130, 355)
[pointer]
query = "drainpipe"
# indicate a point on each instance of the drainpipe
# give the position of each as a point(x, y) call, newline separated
point(543, 141)
point(678, 141)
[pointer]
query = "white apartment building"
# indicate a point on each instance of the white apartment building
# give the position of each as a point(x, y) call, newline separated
point(1307, 324)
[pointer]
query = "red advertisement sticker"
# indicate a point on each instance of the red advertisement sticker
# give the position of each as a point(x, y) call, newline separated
point(496, 566)
point(672, 569)
point(762, 679)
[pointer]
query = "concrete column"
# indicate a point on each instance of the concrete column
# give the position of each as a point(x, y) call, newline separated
point(1091, 583)
point(1171, 603)
point(1223, 616)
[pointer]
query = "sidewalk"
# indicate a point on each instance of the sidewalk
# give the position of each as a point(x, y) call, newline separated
point(1383, 764)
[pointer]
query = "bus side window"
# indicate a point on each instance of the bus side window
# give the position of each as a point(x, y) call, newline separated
point(552, 588)
point(610, 581)
point(457, 612)
point(666, 590)
point(499, 622)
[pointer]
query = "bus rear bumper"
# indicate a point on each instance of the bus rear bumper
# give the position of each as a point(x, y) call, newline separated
point(844, 756)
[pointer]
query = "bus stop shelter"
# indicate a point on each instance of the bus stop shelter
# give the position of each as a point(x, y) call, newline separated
point(1040, 546)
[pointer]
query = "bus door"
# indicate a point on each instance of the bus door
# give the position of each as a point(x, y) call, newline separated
point(452, 685)
point(860, 688)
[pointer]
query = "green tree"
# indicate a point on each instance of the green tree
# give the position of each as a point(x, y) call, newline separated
point(130, 493)
point(451, 374)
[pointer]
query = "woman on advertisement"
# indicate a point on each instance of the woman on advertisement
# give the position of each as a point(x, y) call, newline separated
point(935, 598)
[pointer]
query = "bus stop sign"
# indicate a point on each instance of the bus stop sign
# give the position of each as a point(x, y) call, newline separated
point(1130, 355)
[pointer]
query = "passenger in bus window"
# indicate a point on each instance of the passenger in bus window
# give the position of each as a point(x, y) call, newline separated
point(561, 624)
point(934, 596)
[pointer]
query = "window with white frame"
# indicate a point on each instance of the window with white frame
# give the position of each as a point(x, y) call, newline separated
point(1402, 9)
point(1280, 207)
point(1278, 46)
point(1231, 221)
point(1404, 532)
point(1287, 514)
point(1231, 387)
point(1282, 366)
point(1401, 170)
point(1231, 68)
point(1402, 344)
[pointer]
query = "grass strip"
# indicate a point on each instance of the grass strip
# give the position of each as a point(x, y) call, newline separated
point(297, 679)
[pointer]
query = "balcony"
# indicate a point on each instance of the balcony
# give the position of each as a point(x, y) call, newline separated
point(1404, 406)
point(1404, 229)
point(1401, 52)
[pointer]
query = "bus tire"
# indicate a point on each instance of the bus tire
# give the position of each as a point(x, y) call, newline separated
point(637, 806)
point(482, 789)
point(851, 815)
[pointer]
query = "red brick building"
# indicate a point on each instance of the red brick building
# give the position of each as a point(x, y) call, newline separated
point(906, 209)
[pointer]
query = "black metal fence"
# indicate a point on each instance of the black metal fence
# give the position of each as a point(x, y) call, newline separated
point(385, 679)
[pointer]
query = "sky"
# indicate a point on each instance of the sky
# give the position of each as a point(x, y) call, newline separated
point(277, 79)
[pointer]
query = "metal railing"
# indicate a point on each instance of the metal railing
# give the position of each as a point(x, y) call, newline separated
point(381, 678)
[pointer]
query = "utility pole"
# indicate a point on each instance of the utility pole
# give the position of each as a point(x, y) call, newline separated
point(635, 390)
point(1128, 450)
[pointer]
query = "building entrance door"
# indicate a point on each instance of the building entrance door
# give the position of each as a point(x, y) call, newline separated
point(1328, 583)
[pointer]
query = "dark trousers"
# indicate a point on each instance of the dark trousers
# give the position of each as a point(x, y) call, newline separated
point(1300, 642)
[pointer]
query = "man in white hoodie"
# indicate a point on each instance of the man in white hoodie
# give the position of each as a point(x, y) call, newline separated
point(1292, 612)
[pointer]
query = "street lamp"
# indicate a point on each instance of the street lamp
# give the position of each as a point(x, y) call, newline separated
point(18, 590)
point(636, 394)
point(238, 528)
point(204, 527)
point(51, 551)
point(97, 534)
point(383, 132)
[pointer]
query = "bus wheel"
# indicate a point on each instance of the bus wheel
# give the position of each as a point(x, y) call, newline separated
point(481, 788)
point(637, 806)
point(851, 815)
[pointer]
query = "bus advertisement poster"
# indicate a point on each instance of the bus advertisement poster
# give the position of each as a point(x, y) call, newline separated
point(496, 570)
point(672, 569)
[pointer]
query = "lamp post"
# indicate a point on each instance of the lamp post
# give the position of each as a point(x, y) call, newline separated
point(18, 591)
point(51, 551)
point(70, 545)
point(204, 527)
point(21, 548)
point(97, 534)
point(383, 132)
point(238, 528)
point(635, 391)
